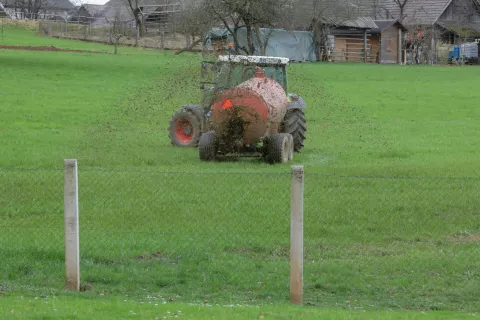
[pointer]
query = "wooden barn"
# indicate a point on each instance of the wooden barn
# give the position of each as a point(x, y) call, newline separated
point(89, 13)
point(349, 40)
point(386, 42)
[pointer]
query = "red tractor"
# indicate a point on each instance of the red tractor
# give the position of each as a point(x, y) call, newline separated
point(246, 112)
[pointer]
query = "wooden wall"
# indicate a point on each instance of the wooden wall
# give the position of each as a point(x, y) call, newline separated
point(374, 56)
point(389, 45)
point(349, 48)
point(458, 10)
point(381, 48)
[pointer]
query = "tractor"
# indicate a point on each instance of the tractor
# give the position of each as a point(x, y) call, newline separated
point(246, 110)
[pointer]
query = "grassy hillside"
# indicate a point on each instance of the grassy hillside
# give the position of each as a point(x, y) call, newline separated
point(113, 111)
point(157, 220)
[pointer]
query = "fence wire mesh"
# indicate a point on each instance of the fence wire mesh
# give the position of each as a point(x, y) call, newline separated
point(369, 241)
point(31, 228)
point(392, 242)
point(200, 235)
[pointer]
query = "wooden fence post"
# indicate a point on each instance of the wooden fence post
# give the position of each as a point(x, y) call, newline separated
point(72, 248)
point(296, 235)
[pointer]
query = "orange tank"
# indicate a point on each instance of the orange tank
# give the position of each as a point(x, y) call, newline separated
point(259, 104)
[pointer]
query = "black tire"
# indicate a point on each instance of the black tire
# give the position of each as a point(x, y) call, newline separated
point(199, 112)
point(185, 128)
point(206, 146)
point(294, 123)
point(279, 148)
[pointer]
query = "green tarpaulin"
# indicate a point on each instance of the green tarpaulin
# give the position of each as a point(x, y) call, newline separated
point(295, 45)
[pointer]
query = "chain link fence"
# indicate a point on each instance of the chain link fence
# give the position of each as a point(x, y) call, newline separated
point(392, 242)
point(225, 236)
point(31, 228)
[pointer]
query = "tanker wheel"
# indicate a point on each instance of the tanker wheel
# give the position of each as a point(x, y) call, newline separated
point(290, 147)
point(206, 146)
point(185, 128)
point(294, 123)
point(280, 148)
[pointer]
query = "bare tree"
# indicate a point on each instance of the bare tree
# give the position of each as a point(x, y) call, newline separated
point(325, 15)
point(29, 8)
point(117, 29)
point(401, 6)
point(263, 43)
point(138, 15)
point(193, 21)
point(416, 41)
point(420, 37)
point(248, 14)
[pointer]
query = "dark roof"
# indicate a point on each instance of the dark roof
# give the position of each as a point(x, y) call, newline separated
point(424, 12)
point(94, 9)
point(385, 24)
point(360, 22)
point(50, 4)
point(454, 26)
point(416, 12)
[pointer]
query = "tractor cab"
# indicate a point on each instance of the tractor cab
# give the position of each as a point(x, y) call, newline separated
point(231, 70)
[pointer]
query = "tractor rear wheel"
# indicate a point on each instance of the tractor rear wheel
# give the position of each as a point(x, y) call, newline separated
point(294, 123)
point(206, 146)
point(185, 128)
point(280, 148)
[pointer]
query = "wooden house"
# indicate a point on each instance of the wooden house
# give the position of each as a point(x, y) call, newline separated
point(386, 42)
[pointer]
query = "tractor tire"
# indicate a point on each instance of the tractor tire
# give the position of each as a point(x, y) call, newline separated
point(206, 146)
point(185, 128)
point(280, 148)
point(295, 124)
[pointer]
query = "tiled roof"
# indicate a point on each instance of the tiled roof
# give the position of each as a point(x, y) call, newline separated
point(360, 22)
point(473, 28)
point(384, 24)
point(415, 11)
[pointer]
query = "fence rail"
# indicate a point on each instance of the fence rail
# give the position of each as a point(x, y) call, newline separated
point(385, 241)
point(165, 35)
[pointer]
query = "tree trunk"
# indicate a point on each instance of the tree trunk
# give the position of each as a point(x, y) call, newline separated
point(162, 38)
point(137, 35)
point(140, 26)
point(236, 45)
point(251, 47)
point(318, 43)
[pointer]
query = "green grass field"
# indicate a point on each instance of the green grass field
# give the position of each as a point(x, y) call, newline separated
point(392, 216)
point(88, 307)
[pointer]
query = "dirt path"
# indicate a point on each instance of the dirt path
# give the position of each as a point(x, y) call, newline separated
point(45, 48)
